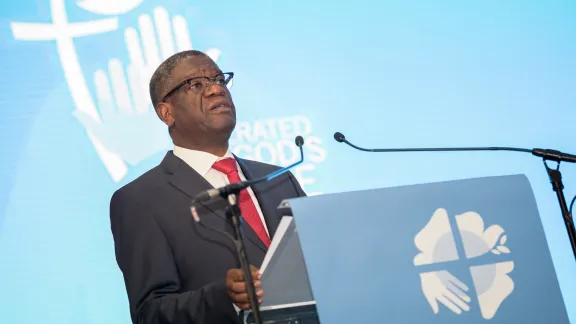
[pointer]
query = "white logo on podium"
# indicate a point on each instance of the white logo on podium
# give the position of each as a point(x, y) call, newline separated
point(437, 245)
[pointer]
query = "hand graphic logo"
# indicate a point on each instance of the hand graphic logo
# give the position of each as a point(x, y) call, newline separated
point(130, 129)
point(128, 124)
point(437, 245)
point(442, 287)
point(123, 130)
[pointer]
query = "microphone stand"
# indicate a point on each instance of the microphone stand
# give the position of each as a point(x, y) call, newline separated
point(556, 179)
point(546, 155)
point(234, 214)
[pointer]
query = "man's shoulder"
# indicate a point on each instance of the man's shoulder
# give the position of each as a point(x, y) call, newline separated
point(286, 180)
point(260, 166)
point(143, 184)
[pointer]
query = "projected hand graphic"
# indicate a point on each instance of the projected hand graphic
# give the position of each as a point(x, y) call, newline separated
point(160, 39)
point(442, 287)
point(129, 125)
point(130, 129)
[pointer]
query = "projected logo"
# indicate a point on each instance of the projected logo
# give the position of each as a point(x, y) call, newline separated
point(118, 116)
point(437, 244)
point(119, 119)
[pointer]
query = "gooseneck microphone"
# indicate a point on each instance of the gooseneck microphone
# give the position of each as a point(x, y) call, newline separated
point(551, 155)
point(234, 214)
point(235, 188)
point(547, 155)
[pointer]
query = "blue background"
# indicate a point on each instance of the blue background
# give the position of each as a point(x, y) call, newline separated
point(376, 255)
point(385, 73)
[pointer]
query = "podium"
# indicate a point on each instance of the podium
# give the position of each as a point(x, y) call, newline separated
point(465, 251)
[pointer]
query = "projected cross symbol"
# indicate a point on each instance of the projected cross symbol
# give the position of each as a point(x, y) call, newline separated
point(119, 120)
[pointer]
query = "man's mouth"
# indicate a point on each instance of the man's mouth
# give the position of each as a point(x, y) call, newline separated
point(220, 106)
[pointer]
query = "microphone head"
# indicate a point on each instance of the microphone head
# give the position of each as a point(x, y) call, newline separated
point(299, 140)
point(339, 137)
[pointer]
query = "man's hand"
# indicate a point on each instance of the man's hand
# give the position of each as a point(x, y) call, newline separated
point(237, 287)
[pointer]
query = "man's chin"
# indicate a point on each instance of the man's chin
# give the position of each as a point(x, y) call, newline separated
point(224, 125)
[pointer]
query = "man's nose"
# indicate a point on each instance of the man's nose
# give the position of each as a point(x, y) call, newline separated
point(214, 89)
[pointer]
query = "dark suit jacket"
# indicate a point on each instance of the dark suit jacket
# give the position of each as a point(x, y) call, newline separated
point(174, 268)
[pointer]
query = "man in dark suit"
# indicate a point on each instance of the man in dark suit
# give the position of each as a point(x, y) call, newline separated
point(175, 270)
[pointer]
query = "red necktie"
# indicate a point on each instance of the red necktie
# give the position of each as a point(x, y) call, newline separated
point(249, 212)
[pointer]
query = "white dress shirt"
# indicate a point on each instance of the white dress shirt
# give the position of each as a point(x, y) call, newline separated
point(202, 163)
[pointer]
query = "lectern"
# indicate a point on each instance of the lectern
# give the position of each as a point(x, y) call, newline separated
point(465, 251)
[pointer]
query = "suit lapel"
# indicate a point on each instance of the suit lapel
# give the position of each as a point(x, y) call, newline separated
point(188, 181)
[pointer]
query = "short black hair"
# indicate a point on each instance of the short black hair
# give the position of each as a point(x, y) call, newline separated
point(161, 77)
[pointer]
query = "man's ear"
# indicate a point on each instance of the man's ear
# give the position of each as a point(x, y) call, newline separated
point(164, 111)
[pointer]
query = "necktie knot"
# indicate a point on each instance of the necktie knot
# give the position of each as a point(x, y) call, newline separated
point(226, 166)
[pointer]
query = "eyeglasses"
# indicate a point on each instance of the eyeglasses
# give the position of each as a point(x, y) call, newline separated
point(200, 84)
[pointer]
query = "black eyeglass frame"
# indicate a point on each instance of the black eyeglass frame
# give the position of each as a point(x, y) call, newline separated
point(229, 76)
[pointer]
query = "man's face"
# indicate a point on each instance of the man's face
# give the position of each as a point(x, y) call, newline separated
point(206, 112)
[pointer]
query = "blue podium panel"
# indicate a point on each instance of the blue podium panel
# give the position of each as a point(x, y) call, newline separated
point(466, 251)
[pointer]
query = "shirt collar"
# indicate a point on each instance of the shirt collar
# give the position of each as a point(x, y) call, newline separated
point(200, 161)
